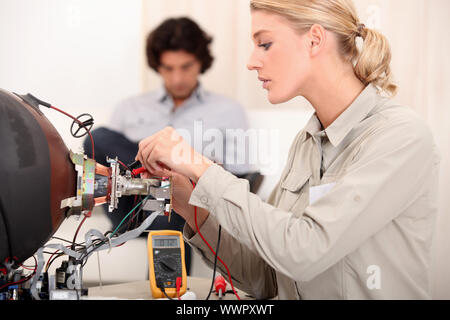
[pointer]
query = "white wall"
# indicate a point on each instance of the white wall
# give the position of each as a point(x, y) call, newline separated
point(80, 55)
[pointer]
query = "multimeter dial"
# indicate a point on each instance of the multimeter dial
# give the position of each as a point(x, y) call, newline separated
point(168, 266)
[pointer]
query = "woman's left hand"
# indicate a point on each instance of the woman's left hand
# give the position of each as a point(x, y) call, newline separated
point(166, 152)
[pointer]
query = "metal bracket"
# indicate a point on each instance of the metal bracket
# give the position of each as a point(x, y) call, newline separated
point(83, 202)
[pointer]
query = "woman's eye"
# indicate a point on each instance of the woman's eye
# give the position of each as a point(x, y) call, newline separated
point(266, 46)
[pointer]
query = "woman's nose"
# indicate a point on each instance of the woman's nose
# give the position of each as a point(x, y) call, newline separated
point(253, 63)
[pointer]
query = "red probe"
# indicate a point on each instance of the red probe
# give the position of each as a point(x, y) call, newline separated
point(179, 283)
point(137, 172)
point(220, 286)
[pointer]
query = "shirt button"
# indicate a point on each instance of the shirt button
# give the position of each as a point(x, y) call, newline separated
point(357, 199)
point(204, 200)
point(236, 231)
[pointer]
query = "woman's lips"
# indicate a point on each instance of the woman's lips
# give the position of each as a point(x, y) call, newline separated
point(265, 82)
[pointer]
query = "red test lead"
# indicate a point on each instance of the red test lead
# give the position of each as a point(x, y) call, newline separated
point(220, 286)
point(137, 172)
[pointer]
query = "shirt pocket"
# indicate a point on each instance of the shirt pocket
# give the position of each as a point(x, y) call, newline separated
point(295, 192)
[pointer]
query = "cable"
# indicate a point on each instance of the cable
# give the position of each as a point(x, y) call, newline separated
point(215, 263)
point(24, 279)
point(178, 286)
point(136, 214)
point(127, 168)
point(99, 242)
point(96, 243)
point(74, 244)
point(50, 260)
point(160, 285)
point(33, 101)
point(26, 267)
point(164, 291)
point(76, 233)
point(81, 124)
point(123, 220)
point(69, 241)
point(212, 250)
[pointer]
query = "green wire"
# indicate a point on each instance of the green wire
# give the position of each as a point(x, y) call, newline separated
point(112, 234)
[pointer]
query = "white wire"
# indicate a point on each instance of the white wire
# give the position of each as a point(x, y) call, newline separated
point(99, 270)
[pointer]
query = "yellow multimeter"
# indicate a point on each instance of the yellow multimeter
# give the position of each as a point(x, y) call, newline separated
point(166, 264)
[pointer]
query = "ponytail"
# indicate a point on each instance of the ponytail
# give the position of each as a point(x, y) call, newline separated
point(372, 64)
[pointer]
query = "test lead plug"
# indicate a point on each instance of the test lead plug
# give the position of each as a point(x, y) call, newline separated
point(220, 286)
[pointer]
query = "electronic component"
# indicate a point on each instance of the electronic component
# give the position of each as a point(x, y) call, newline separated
point(167, 268)
point(39, 170)
point(66, 284)
point(97, 185)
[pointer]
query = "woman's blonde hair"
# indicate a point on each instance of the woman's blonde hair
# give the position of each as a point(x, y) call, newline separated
point(371, 64)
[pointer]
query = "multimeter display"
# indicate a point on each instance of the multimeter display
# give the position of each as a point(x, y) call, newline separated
point(166, 263)
point(165, 242)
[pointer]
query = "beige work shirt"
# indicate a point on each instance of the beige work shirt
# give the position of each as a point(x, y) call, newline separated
point(352, 217)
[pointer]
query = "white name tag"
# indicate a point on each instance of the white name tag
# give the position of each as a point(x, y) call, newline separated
point(318, 192)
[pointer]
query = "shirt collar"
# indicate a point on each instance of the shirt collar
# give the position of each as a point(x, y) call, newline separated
point(349, 119)
point(198, 94)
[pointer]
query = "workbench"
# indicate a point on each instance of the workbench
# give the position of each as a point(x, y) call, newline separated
point(140, 290)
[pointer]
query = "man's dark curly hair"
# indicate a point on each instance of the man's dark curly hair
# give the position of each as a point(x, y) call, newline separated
point(179, 34)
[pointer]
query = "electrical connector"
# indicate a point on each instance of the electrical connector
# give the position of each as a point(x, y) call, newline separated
point(220, 286)
point(179, 282)
point(160, 285)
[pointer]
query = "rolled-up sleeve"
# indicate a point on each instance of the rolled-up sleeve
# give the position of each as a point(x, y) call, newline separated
point(389, 173)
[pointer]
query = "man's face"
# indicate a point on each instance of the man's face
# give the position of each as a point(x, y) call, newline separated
point(180, 71)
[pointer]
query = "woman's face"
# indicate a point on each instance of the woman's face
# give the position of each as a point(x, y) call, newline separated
point(280, 56)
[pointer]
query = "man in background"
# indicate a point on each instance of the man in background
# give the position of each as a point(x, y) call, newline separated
point(178, 50)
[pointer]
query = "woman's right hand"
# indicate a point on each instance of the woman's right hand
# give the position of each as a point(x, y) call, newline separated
point(181, 193)
point(166, 152)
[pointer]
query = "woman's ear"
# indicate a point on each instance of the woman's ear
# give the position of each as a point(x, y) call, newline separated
point(317, 37)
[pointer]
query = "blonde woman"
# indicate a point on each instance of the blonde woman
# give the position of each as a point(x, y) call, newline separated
point(353, 214)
